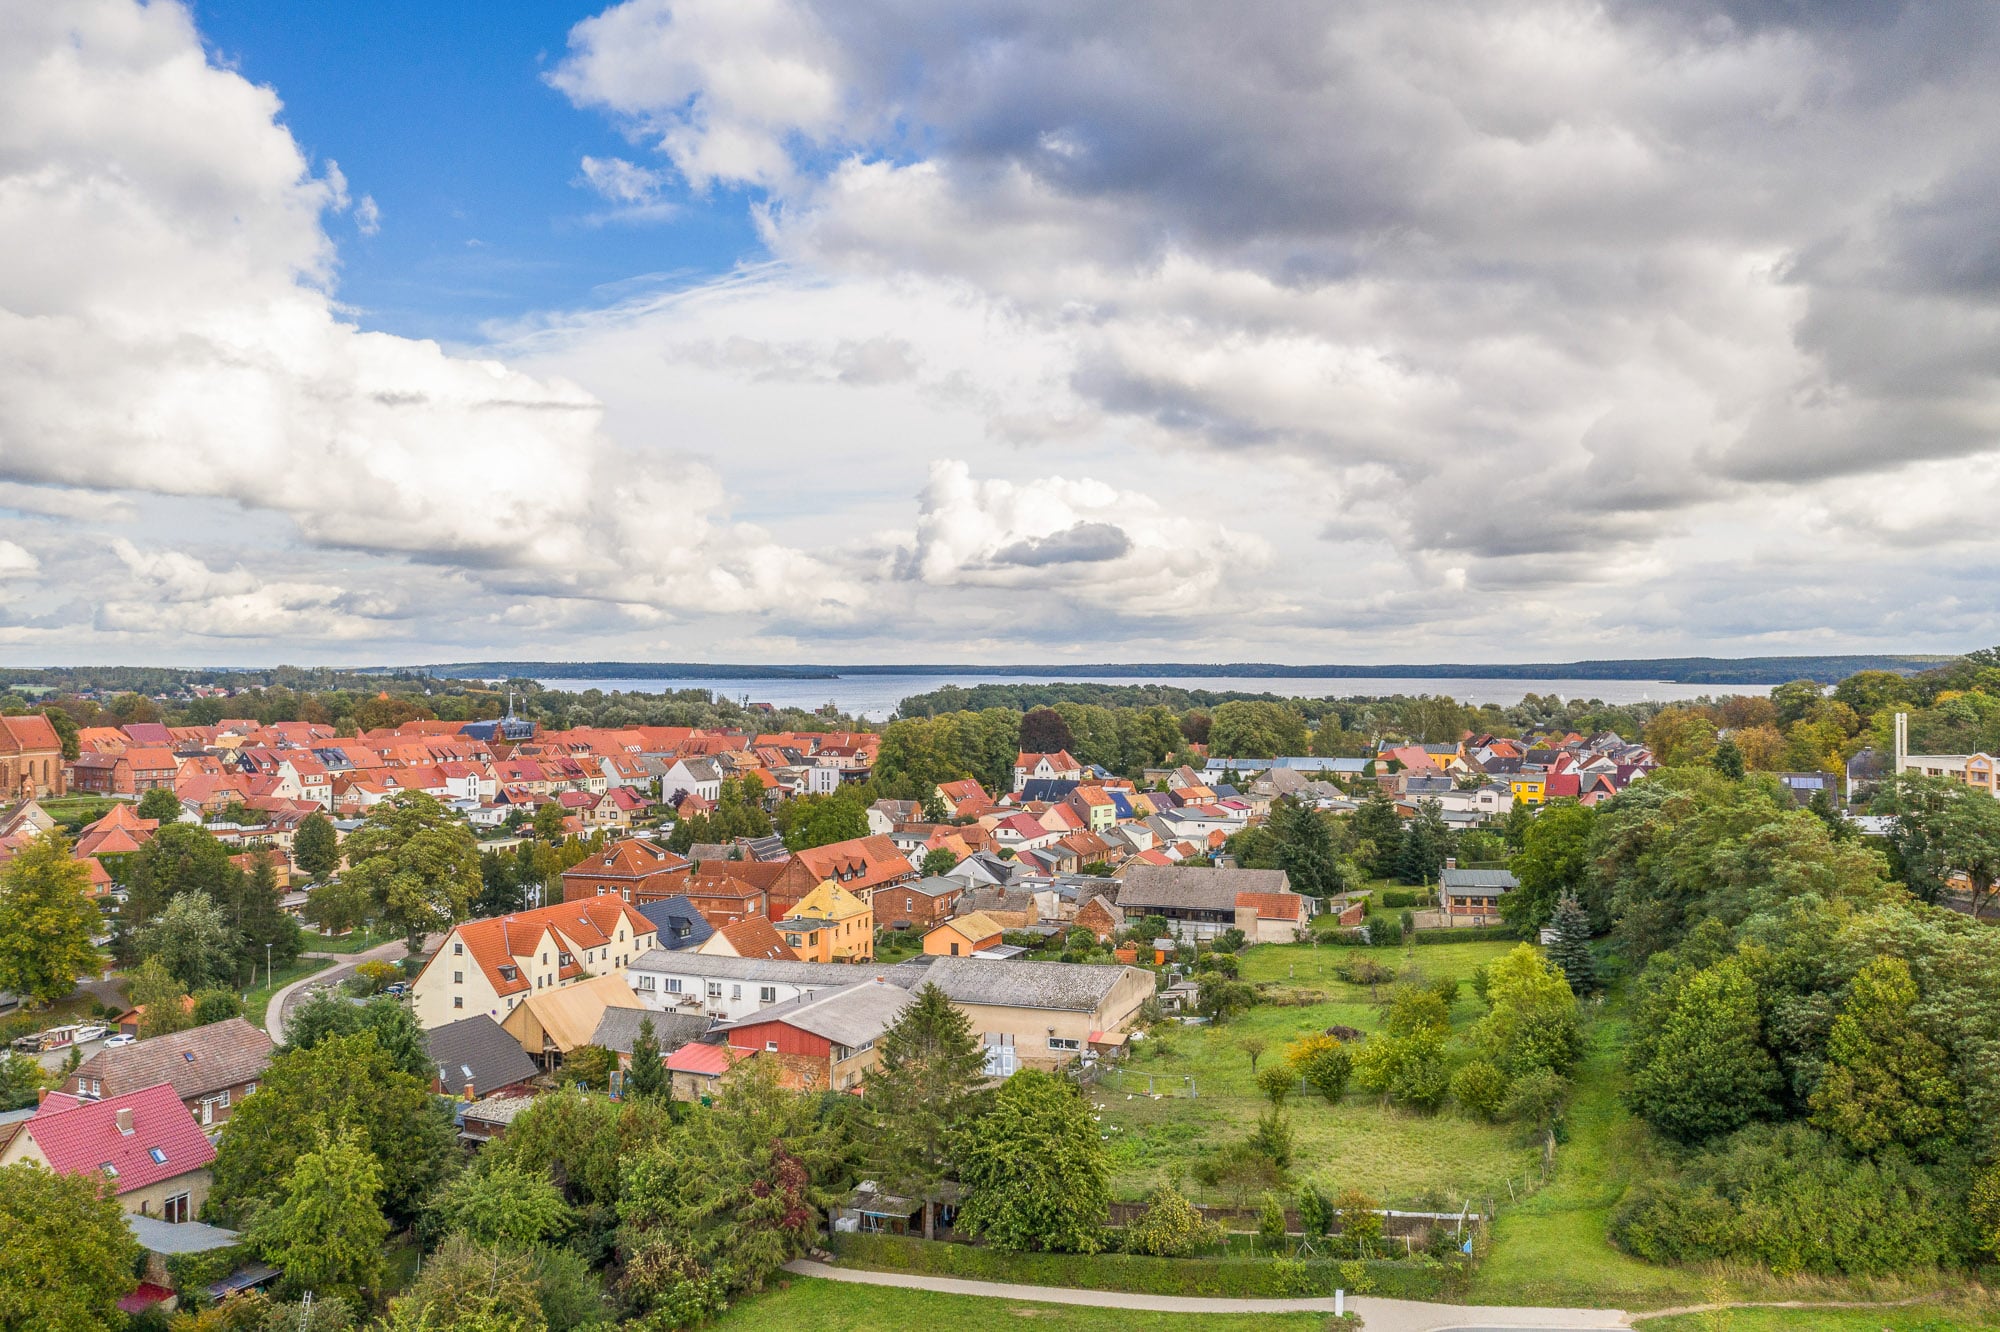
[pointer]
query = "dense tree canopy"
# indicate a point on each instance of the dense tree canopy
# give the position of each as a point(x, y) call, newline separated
point(47, 921)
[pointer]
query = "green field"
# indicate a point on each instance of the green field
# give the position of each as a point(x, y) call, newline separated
point(1915, 1318)
point(808, 1305)
point(1398, 1157)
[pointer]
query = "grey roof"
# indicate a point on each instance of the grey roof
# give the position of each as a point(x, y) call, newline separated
point(703, 852)
point(198, 1061)
point(619, 1028)
point(497, 1109)
point(935, 886)
point(478, 1051)
point(669, 915)
point(166, 1237)
point(1477, 883)
point(853, 1015)
point(702, 770)
point(1188, 887)
point(1071, 987)
point(763, 969)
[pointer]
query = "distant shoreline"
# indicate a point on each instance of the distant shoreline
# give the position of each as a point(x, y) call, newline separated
point(1667, 670)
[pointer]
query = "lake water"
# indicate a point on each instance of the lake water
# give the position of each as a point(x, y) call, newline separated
point(875, 696)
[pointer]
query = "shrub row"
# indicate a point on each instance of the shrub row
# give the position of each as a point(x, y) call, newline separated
point(1467, 934)
point(1235, 1278)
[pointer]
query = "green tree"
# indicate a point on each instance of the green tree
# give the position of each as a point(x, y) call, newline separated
point(179, 859)
point(193, 942)
point(1479, 1088)
point(340, 1082)
point(325, 1229)
point(1706, 1072)
point(1171, 1227)
point(1251, 728)
point(1727, 758)
point(938, 861)
point(161, 804)
point(501, 1203)
point(339, 906)
point(733, 1193)
point(920, 1096)
point(1034, 1170)
point(1377, 826)
point(1219, 998)
point(1277, 1082)
point(163, 1000)
point(471, 1287)
point(648, 1075)
point(46, 921)
point(1570, 949)
point(1426, 843)
point(548, 823)
point(591, 1065)
point(70, 1258)
point(1323, 1064)
point(1044, 731)
point(66, 732)
point(418, 865)
point(316, 847)
point(1531, 1021)
point(1887, 1081)
point(216, 1006)
point(1305, 849)
point(21, 1081)
point(1554, 861)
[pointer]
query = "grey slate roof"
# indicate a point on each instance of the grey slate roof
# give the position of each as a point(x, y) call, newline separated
point(1477, 883)
point(673, 914)
point(1071, 987)
point(478, 1051)
point(852, 1016)
point(935, 886)
point(1194, 888)
point(619, 1027)
point(763, 969)
point(169, 1238)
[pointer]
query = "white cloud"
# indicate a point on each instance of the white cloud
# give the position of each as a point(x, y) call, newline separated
point(16, 560)
point(367, 216)
point(620, 181)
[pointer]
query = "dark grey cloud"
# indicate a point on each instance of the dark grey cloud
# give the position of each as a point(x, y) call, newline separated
point(1083, 543)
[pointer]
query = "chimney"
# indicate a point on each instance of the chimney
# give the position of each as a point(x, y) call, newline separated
point(1451, 862)
point(41, 1094)
point(471, 1093)
point(125, 1120)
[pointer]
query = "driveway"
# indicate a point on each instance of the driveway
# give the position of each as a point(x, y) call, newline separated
point(1377, 1315)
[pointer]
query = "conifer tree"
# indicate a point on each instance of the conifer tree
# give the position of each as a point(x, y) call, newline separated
point(921, 1096)
point(648, 1076)
point(1570, 949)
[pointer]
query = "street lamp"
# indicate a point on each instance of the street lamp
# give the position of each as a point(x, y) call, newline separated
point(267, 964)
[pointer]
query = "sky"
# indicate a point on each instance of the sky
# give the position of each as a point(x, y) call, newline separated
point(874, 331)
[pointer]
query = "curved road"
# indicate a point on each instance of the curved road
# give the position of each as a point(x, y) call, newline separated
point(1378, 1315)
point(274, 1015)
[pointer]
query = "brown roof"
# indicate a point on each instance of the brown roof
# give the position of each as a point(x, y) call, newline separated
point(755, 936)
point(199, 1061)
point(863, 862)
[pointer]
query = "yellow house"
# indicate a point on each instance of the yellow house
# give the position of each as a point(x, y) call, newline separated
point(1528, 787)
point(962, 936)
point(845, 921)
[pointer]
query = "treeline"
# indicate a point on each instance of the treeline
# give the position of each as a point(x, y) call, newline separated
point(1812, 1045)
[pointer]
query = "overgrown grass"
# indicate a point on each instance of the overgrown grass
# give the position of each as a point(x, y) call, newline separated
point(256, 1001)
point(1231, 1277)
point(807, 1305)
point(355, 941)
point(1396, 1156)
point(73, 812)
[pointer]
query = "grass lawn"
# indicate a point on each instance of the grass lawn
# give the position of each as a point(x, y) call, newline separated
point(259, 999)
point(1915, 1318)
point(1398, 1157)
point(807, 1305)
point(75, 811)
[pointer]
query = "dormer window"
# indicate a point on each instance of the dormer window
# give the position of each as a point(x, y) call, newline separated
point(159, 1156)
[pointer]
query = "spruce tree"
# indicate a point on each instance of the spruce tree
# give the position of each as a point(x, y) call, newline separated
point(648, 1076)
point(1570, 949)
point(921, 1096)
point(1426, 842)
point(1305, 849)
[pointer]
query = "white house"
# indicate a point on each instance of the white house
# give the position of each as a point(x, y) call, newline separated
point(697, 776)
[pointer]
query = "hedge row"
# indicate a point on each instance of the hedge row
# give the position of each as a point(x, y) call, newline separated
point(1467, 934)
point(1232, 1278)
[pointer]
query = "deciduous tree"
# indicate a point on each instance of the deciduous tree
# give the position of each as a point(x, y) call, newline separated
point(1035, 1171)
point(325, 1227)
point(46, 921)
point(70, 1258)
point(419, 866)
point(921, 1095)
point(316, 847)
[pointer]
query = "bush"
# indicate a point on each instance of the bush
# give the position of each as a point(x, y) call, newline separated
point(1535, 1099)
point(1171, 1227)
point(1479, 1088)
point(1396, 898)
point(1316, 1211)
point(1271, 1224)
point(1323, 1064)
point(374, 977)
point(1230, 940)
point(1364, 970)
point(1273, 1139)
point(1467, 934)
point(1384, 930)
point(1788, 1198)
point(1222, 964)
point(1360, 1217)
point(1276, 1081)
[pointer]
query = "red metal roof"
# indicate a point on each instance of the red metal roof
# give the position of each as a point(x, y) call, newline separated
point(164, 1141)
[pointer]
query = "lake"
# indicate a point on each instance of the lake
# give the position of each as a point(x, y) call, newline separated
point(875, 697)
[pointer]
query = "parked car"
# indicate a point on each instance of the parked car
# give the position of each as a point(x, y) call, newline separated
point(397, 988)
point(90, 1031)
point(119, 1041)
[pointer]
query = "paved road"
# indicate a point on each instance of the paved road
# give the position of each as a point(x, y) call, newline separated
point(1378, 1315)
point(293, 995)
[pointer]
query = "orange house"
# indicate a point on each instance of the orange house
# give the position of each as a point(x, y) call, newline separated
point(962, 936)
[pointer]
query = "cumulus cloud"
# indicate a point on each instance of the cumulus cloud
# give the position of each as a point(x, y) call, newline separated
point(166, 328)
point(1536, 298)
point(16, 560)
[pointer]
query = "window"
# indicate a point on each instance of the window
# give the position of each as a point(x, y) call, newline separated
point(673, 985)
point(771, 1046)
point(110, 1171)
point(458, 1001)
point(222, 1101)
point(645, 983)
point(1064, 1043)
point(954, 950)
point(458, 950)
point(767, 994)
point(176, 1209)
point(158, 1154)
point(715, 989)
point(458, 978)
point(736, 992)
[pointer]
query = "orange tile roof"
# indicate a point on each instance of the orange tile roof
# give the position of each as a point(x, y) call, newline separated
point(590, 922)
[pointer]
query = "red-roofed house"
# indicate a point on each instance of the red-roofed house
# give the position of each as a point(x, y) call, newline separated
point(1056, 767)
point(633, 870)
point(489, 966)
point(1271, 917)
point(120, 832)
point(144, 1142)
point(752, 936)
point(954, 794)
point(860, 865)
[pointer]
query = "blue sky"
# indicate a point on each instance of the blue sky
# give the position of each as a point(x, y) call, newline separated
point(439, 111)
point(885, 330)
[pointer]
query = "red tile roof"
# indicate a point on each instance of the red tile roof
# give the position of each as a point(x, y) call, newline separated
point(84, 1139)
point(589, 922)
point(863, 862)
point(1271, 906)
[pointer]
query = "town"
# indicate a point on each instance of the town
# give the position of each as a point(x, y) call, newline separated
point(352, 1013)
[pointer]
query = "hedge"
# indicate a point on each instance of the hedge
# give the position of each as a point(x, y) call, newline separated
point(1401, 897)
point(1231, 1278)
point(1467, 934)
